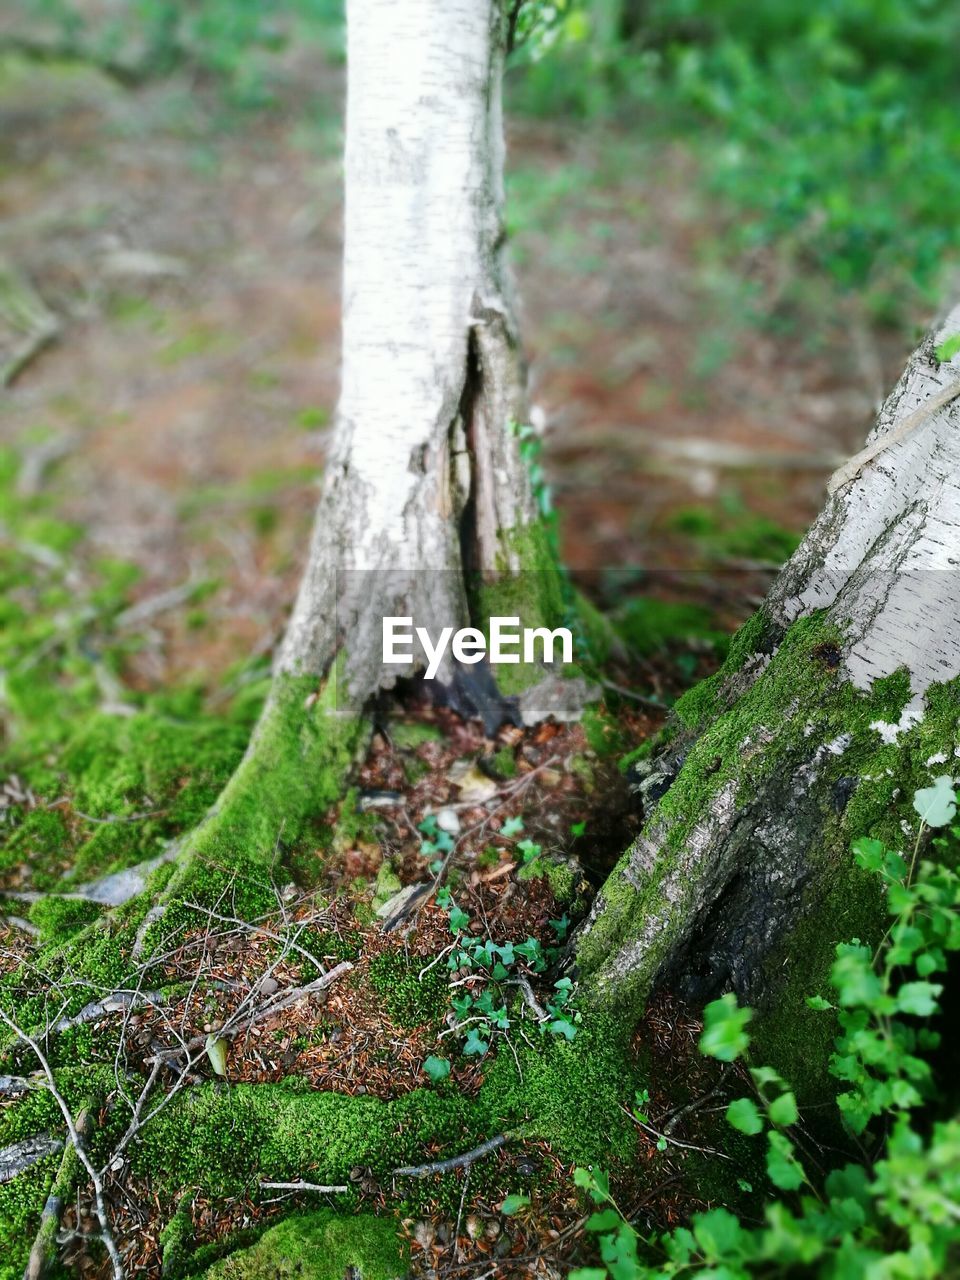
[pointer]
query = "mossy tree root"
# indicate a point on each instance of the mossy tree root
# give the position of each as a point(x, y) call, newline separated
point(839, 698)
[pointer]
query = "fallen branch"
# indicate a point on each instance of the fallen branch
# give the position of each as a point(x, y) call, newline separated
point(673, 1142)
point(116, 1002)
point(455, 1162)
point(531, 1001)
point(43, 1254)
point(274, 1004)
point(10, 1086)
point(21, 1156)
point(304, 1186)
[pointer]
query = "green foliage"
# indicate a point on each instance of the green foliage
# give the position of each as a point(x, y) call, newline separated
point(823, 125)
point(320, 1246)
point(227, 40)
point(410, 999)
point(436, 1069)
point(481, 1008)
point(894, 1217)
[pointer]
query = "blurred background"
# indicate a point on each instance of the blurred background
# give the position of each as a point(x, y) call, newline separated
point(730, 222)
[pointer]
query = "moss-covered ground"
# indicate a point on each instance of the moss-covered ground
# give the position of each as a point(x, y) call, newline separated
point(281, 880)
point(106, 774)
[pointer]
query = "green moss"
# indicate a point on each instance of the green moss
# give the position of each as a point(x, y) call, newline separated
point(21, 1202)
point(736, 533)
point(320, 1246)
point(505, 763)
point(176, 1239)
point(602, 731)
point(58, 918)
point(294, 769)
point(648, 625)
point(570, 1093)
point(410, 1001)
point(749, 739)
point(791, 1037)
point(221, 1142)
point(561, 879)
point(410, 734)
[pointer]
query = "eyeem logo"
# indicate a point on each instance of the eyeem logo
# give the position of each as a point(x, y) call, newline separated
point(507, 643)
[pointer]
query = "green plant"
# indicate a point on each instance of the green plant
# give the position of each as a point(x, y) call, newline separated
point(480, 1000)
point(436, 844)
point(897, 1214)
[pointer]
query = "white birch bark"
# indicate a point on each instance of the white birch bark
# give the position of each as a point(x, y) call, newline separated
point(424, 473)
point(879, 568)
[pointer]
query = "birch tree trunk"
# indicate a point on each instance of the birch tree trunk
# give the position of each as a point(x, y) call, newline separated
point(426, 490)
point(425, 477)
point(838, 699)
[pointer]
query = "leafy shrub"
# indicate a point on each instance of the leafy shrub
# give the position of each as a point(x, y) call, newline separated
point(895, 1216)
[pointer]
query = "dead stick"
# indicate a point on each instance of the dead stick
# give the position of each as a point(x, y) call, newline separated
point(303, 1186)
point(455, 1162)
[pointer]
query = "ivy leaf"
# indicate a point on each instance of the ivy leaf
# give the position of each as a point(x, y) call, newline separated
point(818, 1003)
point(436, 1068)
point(512, 827)
point(563, 1027)
point(458, 919)
point(743, 1115)
point(936, 805)
point(513, 1204)
point(724, 1036)
point(561, 926)
point(475, 1045)
point(529, 851)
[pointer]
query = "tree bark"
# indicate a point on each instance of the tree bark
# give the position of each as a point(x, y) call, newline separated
point(426, 490)
point(838, 699)
point(425, 482)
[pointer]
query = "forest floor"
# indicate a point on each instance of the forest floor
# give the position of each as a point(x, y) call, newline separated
point(694, 405)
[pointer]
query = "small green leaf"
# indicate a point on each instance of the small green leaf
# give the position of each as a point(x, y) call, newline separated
point(919, 998)
point(782, 1167)
point(603, 1220)
point(458, 919)
point(563, 1027)
point(818, 1002)
point(436, 1068)
point(724, 1036)
point(948, 348)
point(475, 1045)
point(783, 1110)
point(513, 1204)
point(742, 1114)
point(937, 805)
point(512, 827)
